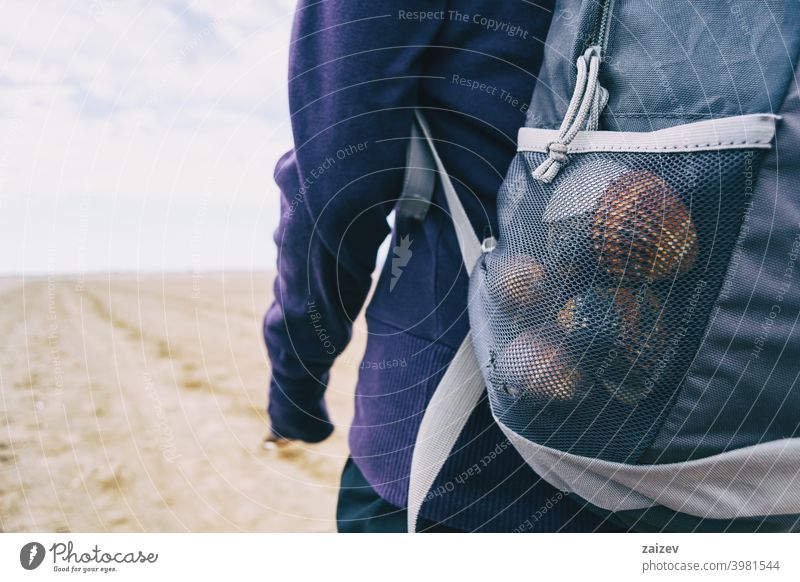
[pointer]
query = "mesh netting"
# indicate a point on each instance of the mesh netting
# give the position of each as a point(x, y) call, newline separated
point(588, 312)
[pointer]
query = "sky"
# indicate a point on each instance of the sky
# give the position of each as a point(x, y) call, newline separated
point(141, 135)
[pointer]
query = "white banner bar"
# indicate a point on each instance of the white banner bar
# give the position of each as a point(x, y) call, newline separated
point(389, 557)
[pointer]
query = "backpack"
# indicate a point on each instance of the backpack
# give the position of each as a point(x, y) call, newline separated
point(634, 322)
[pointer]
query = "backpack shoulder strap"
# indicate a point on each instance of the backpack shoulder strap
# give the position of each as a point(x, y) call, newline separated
point(467, 239)
point(420, 177)
point(462, 385)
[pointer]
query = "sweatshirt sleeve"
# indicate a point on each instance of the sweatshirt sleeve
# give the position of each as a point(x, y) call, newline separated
point(354, 70)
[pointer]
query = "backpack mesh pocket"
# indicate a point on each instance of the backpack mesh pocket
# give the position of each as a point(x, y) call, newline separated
point(587, 313)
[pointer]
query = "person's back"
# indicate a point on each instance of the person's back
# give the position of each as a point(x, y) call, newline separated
point(358, 70)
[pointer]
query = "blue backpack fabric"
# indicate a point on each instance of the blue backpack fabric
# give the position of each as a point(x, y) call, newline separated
point(634, 320)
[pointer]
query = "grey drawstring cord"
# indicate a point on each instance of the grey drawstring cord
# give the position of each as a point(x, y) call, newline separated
point(588, 100)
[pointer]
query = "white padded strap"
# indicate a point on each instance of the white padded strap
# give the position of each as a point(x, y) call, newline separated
point(452, 403)
point(461, 386)
point(467, 239)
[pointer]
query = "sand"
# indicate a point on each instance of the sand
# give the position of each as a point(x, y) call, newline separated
point(137, 404)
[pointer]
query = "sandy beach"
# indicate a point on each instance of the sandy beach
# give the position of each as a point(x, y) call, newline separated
point(136, 403)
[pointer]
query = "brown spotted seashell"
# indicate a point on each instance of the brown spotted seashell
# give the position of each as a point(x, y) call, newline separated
point(517, 281)
point(530, 366)
point(642, 229)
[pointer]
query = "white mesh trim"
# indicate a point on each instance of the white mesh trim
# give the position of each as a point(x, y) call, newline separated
point(741, 132)
point(753, 481)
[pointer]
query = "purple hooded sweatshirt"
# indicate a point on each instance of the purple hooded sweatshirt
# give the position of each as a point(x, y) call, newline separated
point(357, 70)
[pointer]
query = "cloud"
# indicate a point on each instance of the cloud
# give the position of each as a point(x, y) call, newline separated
point(138, 100)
